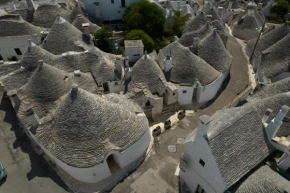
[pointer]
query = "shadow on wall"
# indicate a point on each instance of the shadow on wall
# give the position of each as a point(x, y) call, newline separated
point(39, 166)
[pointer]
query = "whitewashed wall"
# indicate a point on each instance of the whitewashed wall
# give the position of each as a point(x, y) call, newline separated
point(7, 45)
point(115, 88)
point(208, 92)
point(185, 98)
point(101, 171)
point(209, 176)
point(134, 53)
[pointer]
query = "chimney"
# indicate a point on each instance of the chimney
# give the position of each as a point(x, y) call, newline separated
point(40, 64)
point(12, 6)
point(31, 5)
point(195, 9)
point(220, 11)
point(127, 73)
point(282, 113)
point(260, 5)
point(275, 124)
point(203, 126)
point(86, 28)
point(118, 65)
point(74, 91)
point(167, 62)
point(266, 116)
point(230, 6)
point(178, 6)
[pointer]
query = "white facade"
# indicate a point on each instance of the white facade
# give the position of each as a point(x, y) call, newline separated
point(102, 171)
point(134, 50)
point(9, 46)
point(202, 94)
point(208, 92)
point(206, 176)
point(115, 86)
point(185, 94)
point(107, 10)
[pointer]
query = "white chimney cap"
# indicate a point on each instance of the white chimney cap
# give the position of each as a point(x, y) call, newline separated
point(85, 24)
point(77, 73)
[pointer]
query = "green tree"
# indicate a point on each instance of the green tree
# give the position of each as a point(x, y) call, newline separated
point(281, 8)
point(145, 16)
point(102, 37)
point(140, 35)
point(179, 22)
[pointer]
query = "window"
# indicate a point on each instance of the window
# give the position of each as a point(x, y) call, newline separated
point(123, 3)
point(18, 51)
point(136, 55)
point(199, 189)
point(1, 57)
point(202, 162)
point(174, 94)
point(185, 91)
point(116, 83)
point(112, 1)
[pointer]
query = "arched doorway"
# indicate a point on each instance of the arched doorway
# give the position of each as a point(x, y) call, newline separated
point(113, 166)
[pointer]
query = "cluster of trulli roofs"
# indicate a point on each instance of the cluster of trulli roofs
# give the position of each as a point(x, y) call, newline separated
point(93, 139)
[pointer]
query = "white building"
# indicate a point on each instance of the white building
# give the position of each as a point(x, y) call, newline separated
point(134, 49)
point(231, 143)
point(107, 10)
point(14, 35)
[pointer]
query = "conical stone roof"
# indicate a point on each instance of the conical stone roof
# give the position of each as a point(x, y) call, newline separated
point(45, 15)
point(187, 68)
point(213, 13)
point(86, 127)
point(48, 83)
point(82, 19)
point(35, 53)
point(17, 28)
point(148, 73)
point(65, 37)
point(196, 23)
point(221, 30)
point(188, 38)
point(275, 60)
point(212, 50)
point(249, 22)
point(269, 38)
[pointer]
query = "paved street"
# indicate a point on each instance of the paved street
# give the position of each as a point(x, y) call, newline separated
point(27, 172)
